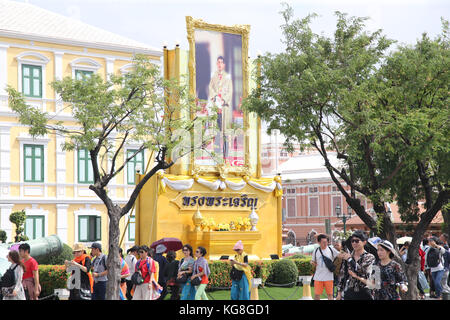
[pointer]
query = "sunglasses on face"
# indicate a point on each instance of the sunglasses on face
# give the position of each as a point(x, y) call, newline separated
point(141, 251)
point(355, 240)
point(185, 250)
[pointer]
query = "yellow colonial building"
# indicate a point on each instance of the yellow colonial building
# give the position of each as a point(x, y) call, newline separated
point(36, 175)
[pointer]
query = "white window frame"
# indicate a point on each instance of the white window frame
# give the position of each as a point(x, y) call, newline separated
point(295, 207)
point(318, 206)
point(87, 211)
point(84, 64)
point(25, 138)
point(34, 211)
point(41, 61)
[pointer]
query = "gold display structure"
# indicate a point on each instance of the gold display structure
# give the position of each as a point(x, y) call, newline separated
point(222, 169)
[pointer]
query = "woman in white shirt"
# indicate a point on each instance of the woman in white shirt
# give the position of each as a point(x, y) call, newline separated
point(15, 292)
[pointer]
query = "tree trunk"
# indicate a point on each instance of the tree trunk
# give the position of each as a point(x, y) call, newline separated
point(113, 261)
point(446, 216)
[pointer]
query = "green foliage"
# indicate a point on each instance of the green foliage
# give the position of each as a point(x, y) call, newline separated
point(284, 271)
point(296, 256)
point(220, 274)
point(261, 269)
point(3, 236)
point(52, 277)
point(66, 254)
point(19, 218)
point(304, 266)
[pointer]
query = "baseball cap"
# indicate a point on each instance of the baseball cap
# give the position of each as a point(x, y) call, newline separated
point(96, 245)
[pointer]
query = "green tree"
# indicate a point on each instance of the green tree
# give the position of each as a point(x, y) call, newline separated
point(3, 236)
point(412, 118)
point(386, 117)
point(140, 107)
point(18, 218)
point(317, 93)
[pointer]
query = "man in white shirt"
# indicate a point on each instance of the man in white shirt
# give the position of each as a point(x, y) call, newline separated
point(131, 260)
point(323, 277)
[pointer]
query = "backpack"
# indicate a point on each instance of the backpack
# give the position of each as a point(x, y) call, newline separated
point(328, 262)
point(9, 278)
point(433, 257)
point(447, 259)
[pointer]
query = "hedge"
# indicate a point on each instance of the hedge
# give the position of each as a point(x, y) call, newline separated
point(55, 277)
point(52, 277)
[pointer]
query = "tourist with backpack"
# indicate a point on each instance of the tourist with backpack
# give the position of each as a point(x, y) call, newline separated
point(427, 270)
point(11, 282)
point(145, 277)
point(99, 272)
point(445, 278)
point(434, 260)
point(323, 258)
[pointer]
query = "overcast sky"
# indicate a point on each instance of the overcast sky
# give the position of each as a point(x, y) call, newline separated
point(155, 22)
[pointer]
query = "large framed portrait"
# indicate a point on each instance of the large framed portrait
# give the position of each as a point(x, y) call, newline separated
point(218, 77)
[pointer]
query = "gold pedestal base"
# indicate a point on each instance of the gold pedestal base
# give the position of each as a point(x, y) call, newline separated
point(220, 243)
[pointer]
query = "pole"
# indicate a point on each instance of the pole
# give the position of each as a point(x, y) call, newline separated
point(344, 219)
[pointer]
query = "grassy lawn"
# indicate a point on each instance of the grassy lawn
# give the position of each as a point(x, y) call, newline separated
point(277, 293)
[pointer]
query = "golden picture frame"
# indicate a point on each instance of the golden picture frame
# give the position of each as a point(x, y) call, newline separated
point(221, 169)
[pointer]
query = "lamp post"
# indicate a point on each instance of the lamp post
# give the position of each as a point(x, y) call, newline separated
point(342, 216)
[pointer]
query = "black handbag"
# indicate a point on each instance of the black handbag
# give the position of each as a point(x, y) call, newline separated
point(183, 279)
point(236, 274)
point(137, 278)
point(196, 281)
point(328, 262)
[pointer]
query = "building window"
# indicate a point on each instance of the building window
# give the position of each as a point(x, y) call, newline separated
point(291, 191)
point(138, 159)
point(336, 201)
point(81, 74)
point(35, 227)
point(32, 81)
point(132, 229)
point(33, 163)
point(283, 154)
point(291, 208)
point(89, 228)
point(85, 171)
point(314, 207)
point(313, 189)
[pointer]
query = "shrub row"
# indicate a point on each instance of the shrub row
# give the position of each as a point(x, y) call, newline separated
point(281, 271)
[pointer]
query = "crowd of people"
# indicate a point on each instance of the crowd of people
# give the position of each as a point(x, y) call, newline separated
point(359, 269)
point(354, 269)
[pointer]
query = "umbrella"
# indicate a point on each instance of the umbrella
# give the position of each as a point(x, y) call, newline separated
point(172, 244)
point(402, 240)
